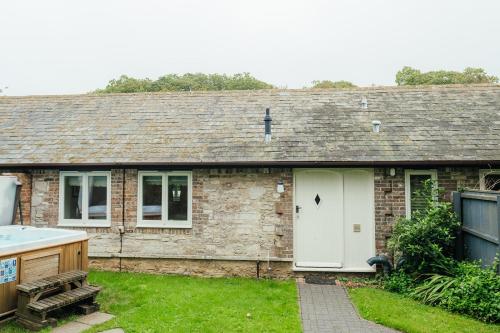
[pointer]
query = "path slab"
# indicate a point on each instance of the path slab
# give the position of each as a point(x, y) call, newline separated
point(95, 318)
point(71, 327)
point(327, 308)
point(85, 322)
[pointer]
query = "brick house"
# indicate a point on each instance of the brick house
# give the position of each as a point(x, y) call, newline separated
point(185, 182)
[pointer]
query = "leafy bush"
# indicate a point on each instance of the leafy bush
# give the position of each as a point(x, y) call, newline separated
point(471, 290)
point(399, 282)
point(425, 241)
point(424, 244)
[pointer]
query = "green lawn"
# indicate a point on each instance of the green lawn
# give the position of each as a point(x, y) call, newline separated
point(159, 303)
point(407, 315)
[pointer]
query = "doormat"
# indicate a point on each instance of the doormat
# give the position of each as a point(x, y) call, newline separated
point(315, 279)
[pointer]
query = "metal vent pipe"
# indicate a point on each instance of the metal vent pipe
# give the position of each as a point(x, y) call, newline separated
point(267, 126)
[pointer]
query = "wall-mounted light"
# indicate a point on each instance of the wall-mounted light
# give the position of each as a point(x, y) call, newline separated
point(376, 126)
point(392, 172)
point(281, 187)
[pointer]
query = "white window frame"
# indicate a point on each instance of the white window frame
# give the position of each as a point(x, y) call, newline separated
point(84, 221)
point(408, 173)
point(486, 172)
point(164, 222)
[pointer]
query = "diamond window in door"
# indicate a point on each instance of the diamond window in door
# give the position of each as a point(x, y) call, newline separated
point(317, 199)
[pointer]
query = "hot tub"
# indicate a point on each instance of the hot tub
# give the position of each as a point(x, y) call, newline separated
point(28, 253)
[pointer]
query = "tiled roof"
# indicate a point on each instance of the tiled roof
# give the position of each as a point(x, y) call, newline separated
point(420, 124)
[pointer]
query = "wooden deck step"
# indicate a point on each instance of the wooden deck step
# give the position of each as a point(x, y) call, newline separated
point(51, 282)
point(63, 299)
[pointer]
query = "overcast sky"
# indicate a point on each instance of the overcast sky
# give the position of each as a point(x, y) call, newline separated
point(60, 47)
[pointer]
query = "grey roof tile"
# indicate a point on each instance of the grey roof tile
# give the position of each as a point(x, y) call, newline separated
point(424, 124)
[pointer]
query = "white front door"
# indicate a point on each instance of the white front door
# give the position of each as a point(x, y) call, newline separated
point(319, 218)
point(334, 219)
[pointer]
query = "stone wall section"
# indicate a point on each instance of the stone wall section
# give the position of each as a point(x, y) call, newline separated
point(196, 267)
point(237, 214)
point(45, 198)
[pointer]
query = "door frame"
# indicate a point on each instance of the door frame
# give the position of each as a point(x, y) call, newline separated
point(294, 234)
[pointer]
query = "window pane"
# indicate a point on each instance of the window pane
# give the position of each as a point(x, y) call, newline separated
point(416, 184)
point(73, 197)
point(151, 197)
point(98, 191)
point(492, 182)
point(178, 198)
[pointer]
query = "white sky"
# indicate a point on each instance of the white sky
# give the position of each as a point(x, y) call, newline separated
point(59, 47)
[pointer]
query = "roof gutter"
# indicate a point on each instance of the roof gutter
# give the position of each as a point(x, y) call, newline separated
point(429, 163)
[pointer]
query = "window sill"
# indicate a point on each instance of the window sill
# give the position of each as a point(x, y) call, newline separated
point(84, 225)
point(163, 225)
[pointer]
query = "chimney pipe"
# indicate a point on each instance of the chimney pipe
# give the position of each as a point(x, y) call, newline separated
point(267, 125)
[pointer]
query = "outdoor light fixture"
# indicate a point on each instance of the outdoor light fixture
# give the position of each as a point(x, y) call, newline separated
point(281, 187)
point(376, 126)
point(392, 172)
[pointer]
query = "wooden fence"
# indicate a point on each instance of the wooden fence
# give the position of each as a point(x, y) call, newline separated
point(479, 212)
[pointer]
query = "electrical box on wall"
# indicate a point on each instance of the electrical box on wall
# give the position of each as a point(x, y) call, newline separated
point(356, 227)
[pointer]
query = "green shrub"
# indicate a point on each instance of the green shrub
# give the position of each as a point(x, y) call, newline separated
point(471, 290)
point(399, 282)
point(425, 241)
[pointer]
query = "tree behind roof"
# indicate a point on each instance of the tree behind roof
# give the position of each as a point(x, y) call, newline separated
point(185, 82)
point(410, 77)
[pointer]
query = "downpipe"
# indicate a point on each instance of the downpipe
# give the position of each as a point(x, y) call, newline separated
point(381, 260)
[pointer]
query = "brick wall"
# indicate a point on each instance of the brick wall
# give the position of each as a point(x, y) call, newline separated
point(390, 196)
point(389, 204)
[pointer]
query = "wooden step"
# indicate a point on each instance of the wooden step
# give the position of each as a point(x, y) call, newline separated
point(63, 299)
point(51, 282)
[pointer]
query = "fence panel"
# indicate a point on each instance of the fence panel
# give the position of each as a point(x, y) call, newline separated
point(480, 215)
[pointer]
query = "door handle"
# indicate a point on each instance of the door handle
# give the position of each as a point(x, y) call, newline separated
point(297, 208)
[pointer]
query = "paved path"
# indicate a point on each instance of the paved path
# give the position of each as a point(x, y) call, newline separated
point(327, 308)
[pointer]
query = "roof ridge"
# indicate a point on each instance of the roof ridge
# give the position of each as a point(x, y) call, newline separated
point(482, 86)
